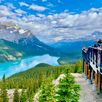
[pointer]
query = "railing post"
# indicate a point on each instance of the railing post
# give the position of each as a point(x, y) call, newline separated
point(96, 58)
point(92, 75)
point(101, 61)
point(83, 66)
point(93, 55)
point(96, 79)
point(99, 83)
point(89, 72)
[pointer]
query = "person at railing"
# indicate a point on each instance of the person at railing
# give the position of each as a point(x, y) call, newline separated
point(84, 49)
point(99, 43)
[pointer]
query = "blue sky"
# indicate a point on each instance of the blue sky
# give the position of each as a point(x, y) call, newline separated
point(57, 6)
point(54, 20)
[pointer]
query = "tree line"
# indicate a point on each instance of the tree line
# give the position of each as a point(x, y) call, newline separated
point(31, 80)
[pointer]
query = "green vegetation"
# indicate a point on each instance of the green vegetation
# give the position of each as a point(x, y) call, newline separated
point(42, 65)
point(47, 93)
point(78, 67)
point(32, 80)
point(16, 97)
point(3, 95)
point(23, 97)
point(67, 90)
point(9, 52)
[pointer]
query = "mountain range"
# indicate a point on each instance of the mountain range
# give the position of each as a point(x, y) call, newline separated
point(17, 43)
point(72, 50)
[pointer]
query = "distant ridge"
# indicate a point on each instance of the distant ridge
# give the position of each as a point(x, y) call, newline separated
point(42, 65)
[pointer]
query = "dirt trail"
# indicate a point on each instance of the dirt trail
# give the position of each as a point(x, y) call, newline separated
point(88, 92)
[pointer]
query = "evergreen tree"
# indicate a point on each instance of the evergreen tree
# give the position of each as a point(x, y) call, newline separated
point(0, 96)
point(16, 96)
point(1, 99)
point(30, 94)
point(23, 97)
point(4, 96)
point(67, 90)
point(4, 78)
point(47, 91)
point(78, 67)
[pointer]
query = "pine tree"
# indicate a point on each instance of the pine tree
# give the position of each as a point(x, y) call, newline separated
point(4, 79)
point(47, 91)
point(16, 96)
point(4, 96)
point(0, 96)
point(30, 94)
point(23, 97)
point(67, 90)
point(1, 99)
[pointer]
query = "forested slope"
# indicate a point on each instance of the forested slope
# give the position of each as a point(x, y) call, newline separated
point(33, 79)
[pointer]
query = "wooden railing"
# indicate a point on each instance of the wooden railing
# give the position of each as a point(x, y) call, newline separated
point(93, 55)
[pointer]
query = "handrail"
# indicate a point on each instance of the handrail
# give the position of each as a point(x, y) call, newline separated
point(93, 55)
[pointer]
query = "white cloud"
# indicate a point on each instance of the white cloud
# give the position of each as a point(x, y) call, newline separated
point(67, 26)
point(55, 27)
point(4, 10)
point(19, 11)
point(37, 7)
point(56, 39)
point(11, 6)
point(23, 4)
point(40, 15)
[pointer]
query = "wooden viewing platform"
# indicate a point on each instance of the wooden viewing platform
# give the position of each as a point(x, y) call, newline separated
point(92, 64)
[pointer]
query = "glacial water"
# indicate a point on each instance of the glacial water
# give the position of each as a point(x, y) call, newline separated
point(10, 68)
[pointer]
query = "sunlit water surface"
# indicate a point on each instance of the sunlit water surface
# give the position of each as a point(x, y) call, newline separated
point(10, 68)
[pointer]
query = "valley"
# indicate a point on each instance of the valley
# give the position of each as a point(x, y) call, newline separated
point(50, 50)
point(21, 50)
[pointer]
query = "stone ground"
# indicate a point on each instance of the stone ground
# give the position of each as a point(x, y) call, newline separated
point(88, 91)
point(10, 94)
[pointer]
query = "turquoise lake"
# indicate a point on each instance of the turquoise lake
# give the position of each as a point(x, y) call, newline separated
point(10, 68)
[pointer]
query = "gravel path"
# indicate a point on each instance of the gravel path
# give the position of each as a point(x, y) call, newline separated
point(10, 94)
point(88, 92)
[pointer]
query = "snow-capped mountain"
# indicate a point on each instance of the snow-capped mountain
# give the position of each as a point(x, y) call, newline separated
point(16, 42)
point(95, 36)
point(11, 32)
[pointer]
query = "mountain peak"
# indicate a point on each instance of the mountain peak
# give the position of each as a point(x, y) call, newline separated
point(97, 33)
point(12, 32)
